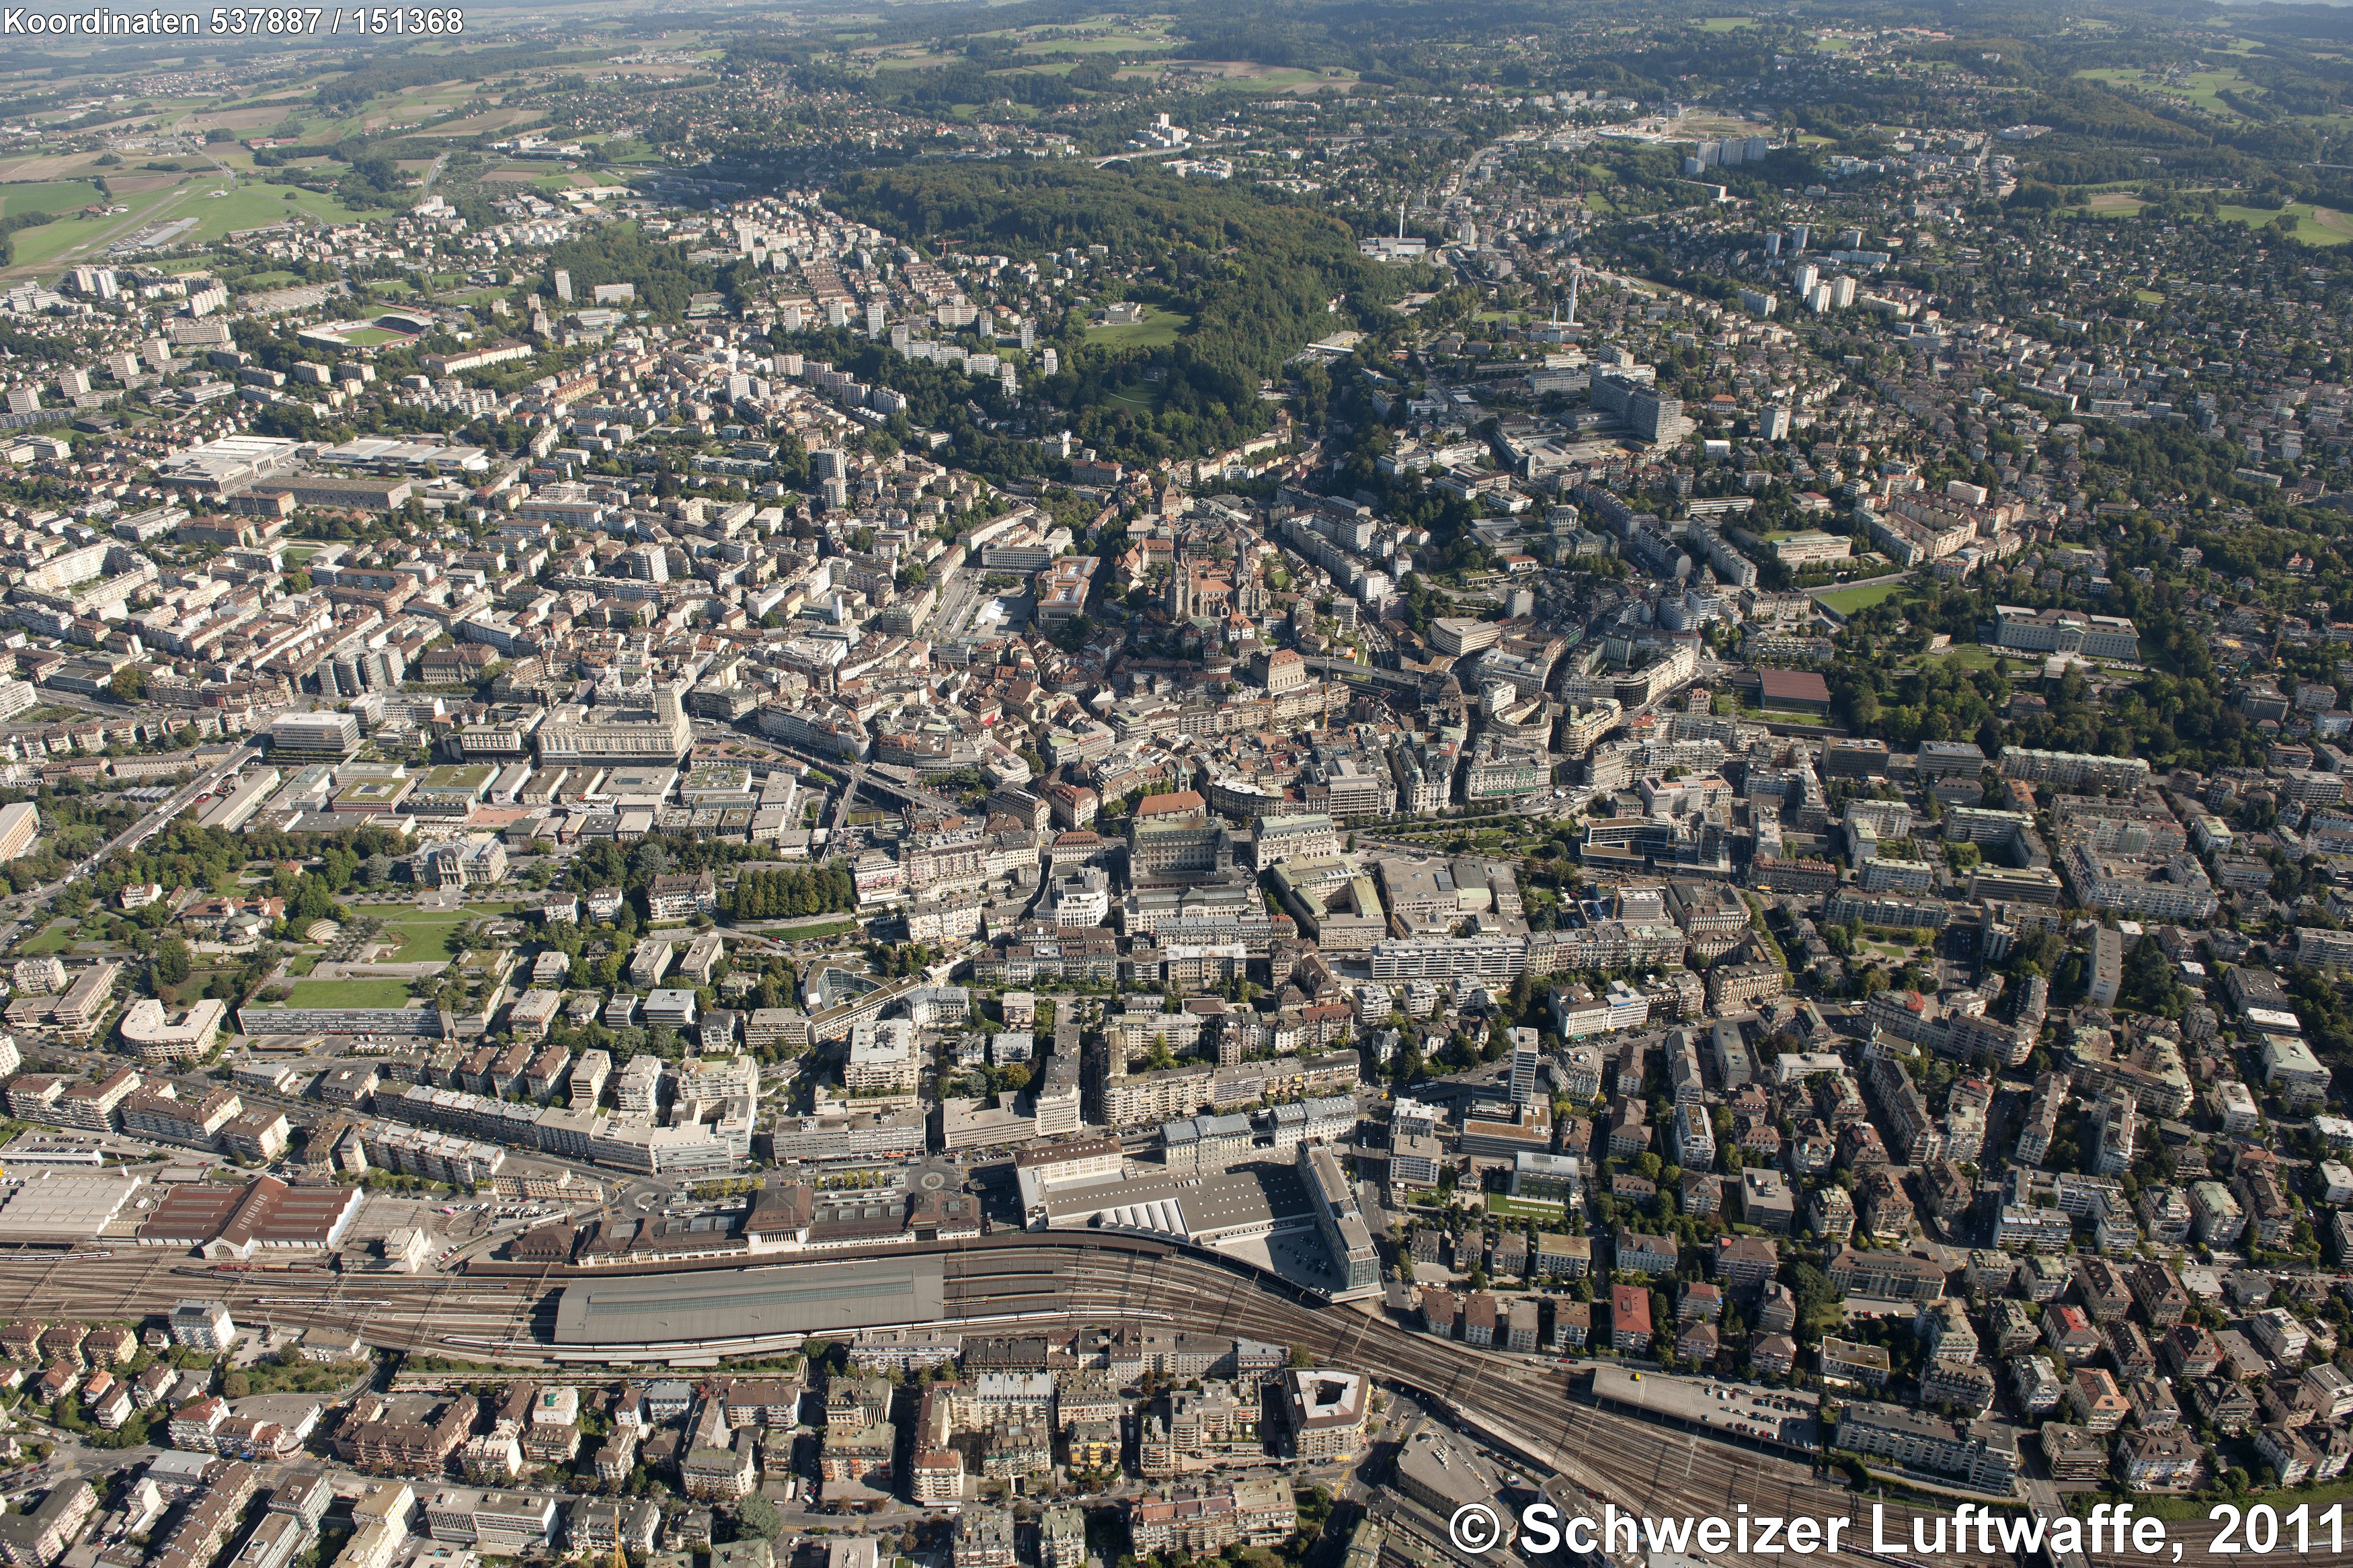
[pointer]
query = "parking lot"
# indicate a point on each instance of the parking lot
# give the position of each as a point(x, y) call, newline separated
point(1779, 1416)
point(1297, 1254)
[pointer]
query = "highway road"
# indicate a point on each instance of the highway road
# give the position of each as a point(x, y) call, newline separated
point(1532, 1407)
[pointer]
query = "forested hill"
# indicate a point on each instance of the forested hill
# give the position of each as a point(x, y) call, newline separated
point(1257, 275)
point(1142, 214)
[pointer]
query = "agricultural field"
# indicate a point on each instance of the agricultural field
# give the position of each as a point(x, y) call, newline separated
point(2314, 224)
point(46, 196)
point(1099, 35)
point(489, 122)
point(2199, 90)
point(1250, 76)
point(1039, 40)
point(2114, 203)
point(43, 168)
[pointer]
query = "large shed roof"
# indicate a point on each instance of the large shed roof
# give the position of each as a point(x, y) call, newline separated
point(728, 1304)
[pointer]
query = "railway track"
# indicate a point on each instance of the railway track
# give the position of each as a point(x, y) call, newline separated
point(1046, 1280)
point(1641, 1466)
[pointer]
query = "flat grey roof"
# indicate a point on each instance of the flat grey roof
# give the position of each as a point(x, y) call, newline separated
point(727, 1304)
point(60, 1207)
point(1446, 1466)
point(1256, 1194)
point(1688, 1399)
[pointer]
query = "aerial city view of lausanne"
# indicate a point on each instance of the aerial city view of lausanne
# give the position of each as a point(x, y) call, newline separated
point(992, 783)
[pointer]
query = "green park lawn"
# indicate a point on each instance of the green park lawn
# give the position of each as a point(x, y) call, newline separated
point(427, 938)
point(1847, 601)
point(813, 926)
point(55, 939)
point(1158, 329)
point(1970, 655)
point(350, 994)
point(1142, 401)
point(432, 938)
point(423, 940)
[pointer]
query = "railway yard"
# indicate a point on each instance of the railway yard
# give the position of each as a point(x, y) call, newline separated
point(1529, 1406)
